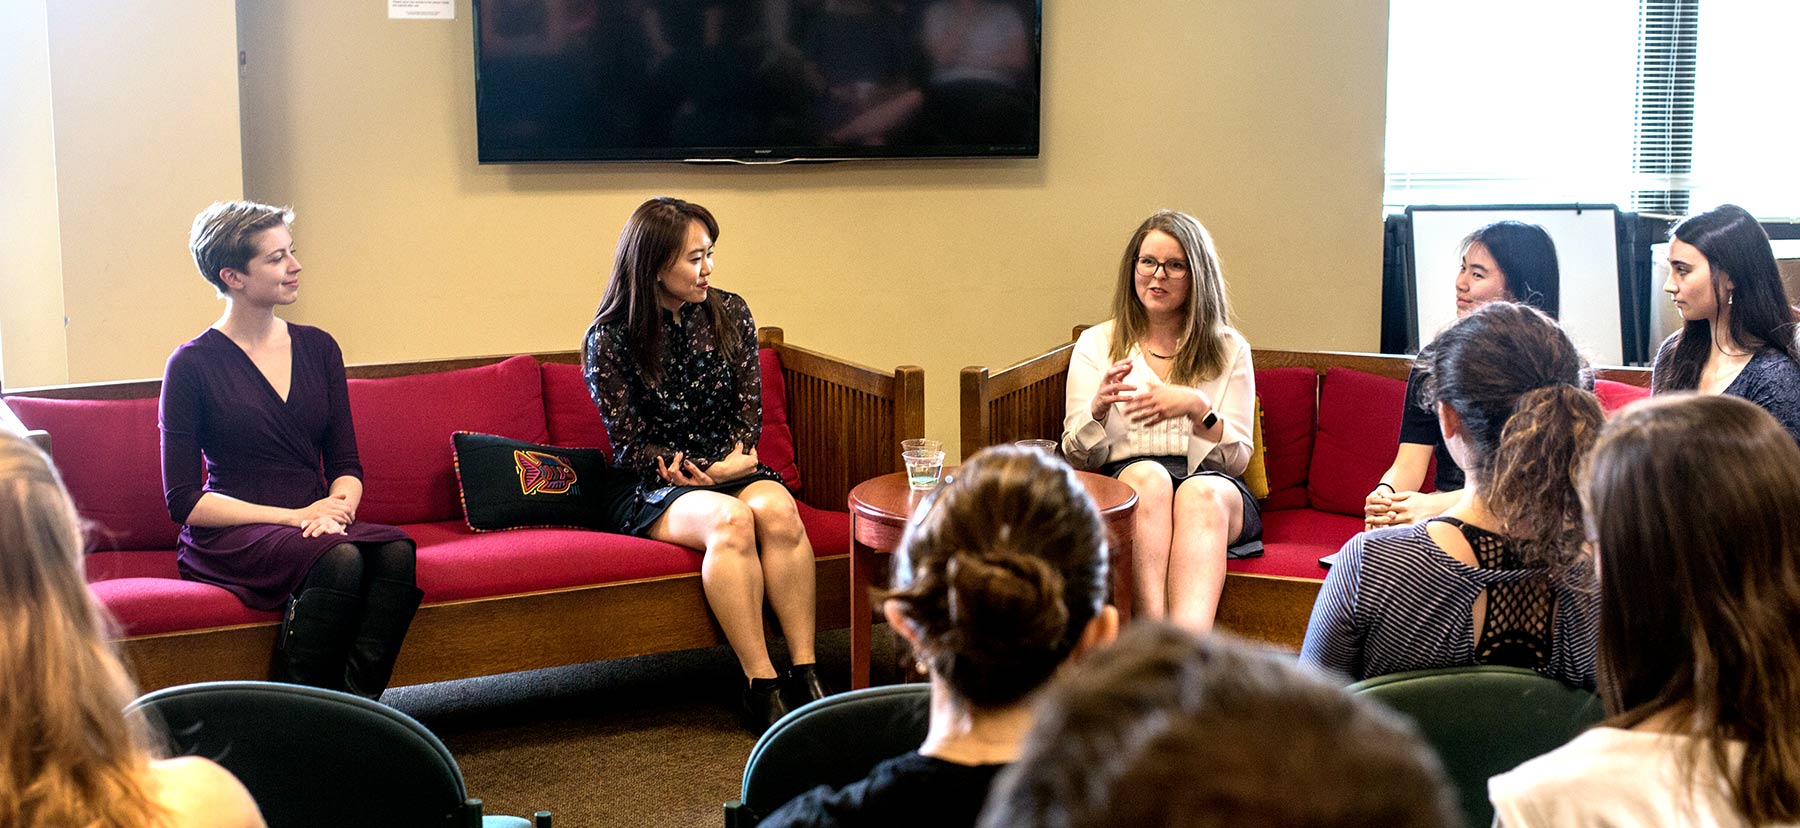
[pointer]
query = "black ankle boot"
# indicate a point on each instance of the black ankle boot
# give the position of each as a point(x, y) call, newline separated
point(315, 634)
point(801, 685)
point(387, 611)
point(763, 705)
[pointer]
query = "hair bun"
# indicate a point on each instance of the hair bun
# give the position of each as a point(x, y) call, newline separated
point(1002, 600)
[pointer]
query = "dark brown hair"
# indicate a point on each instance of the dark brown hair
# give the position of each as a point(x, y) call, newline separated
point(1735, 246)
point(1202, 353)
point(1000, 573)
point(1694, 503)
point(650, 242)
point(224, 236)
point(1167, 729)
point(1515, 380)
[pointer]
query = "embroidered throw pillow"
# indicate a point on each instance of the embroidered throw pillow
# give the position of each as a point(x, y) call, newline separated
point(513, 484)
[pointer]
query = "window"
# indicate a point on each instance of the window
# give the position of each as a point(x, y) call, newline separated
point(1600, 101)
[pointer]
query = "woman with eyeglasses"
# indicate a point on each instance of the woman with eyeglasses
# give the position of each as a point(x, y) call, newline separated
point(1738, 332)
point(1162, 397)
point(671, 363)
point(1505, 261)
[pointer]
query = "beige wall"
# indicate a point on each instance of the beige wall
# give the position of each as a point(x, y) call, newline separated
point(32, 350)
point(1264, 119)
point(146, 134)
point(135, 131)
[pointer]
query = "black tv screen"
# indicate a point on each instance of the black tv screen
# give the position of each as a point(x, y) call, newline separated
point(747, 80)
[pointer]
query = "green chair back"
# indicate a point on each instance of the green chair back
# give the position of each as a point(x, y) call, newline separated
point(1485, 720)
point(834, 741)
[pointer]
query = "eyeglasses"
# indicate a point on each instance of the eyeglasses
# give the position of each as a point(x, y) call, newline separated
point(1175, 269)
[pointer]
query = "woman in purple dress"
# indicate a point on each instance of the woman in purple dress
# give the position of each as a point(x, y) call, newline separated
point(264, 403)
point(671, 363)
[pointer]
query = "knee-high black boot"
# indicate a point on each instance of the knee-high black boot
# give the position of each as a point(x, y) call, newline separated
point(387, 611)
point(315, 634)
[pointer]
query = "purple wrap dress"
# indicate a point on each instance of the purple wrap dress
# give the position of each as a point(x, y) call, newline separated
point(260, 449)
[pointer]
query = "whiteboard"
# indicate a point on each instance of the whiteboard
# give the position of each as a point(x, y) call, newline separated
point(1587, 254)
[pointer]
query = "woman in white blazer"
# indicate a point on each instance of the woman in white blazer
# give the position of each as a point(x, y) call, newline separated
point(1162, 396)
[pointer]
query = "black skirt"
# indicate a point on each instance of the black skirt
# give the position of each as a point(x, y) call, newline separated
point(1248, 543)
point(634, 513)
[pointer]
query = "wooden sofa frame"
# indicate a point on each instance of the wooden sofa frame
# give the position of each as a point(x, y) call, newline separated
point(847, 421)
point(1026, 400)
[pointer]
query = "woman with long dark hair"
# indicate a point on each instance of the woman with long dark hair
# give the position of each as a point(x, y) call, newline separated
point(1500, 577)
point(261, 406)
point(671, 363)
point(68, 756)
point(1163, 397)
point(1507, 261)
point(1694, 507)
point(1000, 579)
point(1737, 335)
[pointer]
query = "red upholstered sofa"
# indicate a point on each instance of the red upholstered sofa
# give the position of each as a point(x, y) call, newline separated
point(494, 602)
point(1330, 425)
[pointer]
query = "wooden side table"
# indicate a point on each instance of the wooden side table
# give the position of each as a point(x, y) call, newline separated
point(880, 507)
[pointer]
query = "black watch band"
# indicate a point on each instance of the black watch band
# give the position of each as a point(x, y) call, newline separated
point(1211, 419)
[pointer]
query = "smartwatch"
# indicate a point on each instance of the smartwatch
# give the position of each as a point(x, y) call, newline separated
point(1211, 419)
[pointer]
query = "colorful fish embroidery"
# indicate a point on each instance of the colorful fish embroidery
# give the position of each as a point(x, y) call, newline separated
point(541, 473)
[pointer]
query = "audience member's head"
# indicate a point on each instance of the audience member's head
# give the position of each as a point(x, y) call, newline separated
point(1694, 505)
point(224, 236)
point(1166, 729)
point(1747, 299)
point(68, 756)
point(1001, 576)
point(1508, 386)
point(1526, 258)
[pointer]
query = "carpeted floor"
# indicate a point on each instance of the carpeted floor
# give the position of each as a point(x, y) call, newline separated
point(652, 741)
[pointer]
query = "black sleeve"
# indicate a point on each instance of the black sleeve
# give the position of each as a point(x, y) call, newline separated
point(1418, 423)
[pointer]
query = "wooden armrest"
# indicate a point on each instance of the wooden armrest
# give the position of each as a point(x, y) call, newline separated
point(848, 419)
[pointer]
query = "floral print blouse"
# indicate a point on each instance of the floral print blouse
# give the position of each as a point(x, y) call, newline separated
point(702, 407)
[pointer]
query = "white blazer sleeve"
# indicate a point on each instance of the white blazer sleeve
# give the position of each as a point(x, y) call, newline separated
point(1234, 400)
point(1084, 441)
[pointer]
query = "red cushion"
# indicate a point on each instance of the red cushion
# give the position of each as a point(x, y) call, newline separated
point(403, 428)
point(776, 447)
point(1288, 398)
point(569, 410)
point(105, 566)
point(1294, 540)
point(1359, 425)
point(1616, 395)
point(146, 606)
point(110, 455)
point(455, 563)
point(828, 531)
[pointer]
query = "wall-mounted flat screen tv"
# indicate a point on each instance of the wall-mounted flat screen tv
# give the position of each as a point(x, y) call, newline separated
point(755, 80)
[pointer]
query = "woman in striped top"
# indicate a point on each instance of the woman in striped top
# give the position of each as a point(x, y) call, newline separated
point(1500, 577)
point(1162, 396)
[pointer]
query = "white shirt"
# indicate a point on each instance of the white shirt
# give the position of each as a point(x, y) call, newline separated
point(1612, 778)
point(1089, 444)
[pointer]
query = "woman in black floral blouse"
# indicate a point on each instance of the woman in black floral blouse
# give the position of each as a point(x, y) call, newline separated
point(672, 364)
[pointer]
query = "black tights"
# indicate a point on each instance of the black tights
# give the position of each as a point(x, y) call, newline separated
point(349, 567)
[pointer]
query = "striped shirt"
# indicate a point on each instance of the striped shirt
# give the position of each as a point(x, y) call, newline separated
point(1396, 601)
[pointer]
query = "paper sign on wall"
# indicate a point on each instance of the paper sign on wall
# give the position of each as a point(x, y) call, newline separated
point(422, 9)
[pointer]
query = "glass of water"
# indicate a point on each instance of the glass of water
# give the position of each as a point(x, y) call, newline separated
point(923, 468)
